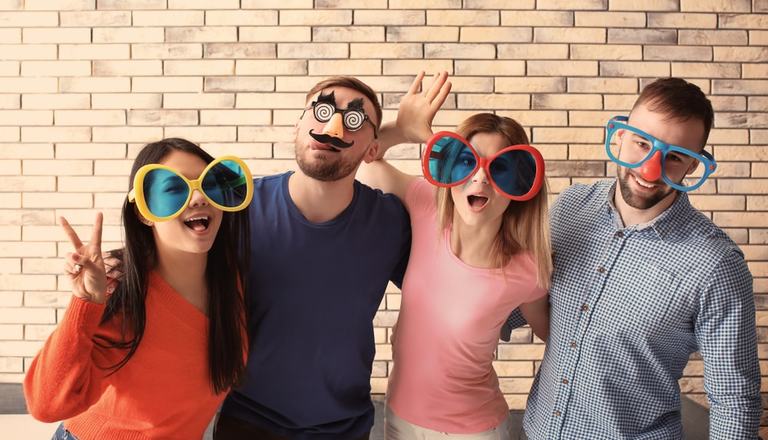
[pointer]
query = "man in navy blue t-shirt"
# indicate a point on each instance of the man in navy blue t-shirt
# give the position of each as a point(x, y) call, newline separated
point(323, 248)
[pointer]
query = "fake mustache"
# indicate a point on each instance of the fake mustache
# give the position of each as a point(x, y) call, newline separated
point(326, 139)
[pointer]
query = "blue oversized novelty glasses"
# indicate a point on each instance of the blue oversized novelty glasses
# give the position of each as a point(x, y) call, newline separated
point(680, 168)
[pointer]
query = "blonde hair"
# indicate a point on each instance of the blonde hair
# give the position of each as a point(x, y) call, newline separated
point(524, 225)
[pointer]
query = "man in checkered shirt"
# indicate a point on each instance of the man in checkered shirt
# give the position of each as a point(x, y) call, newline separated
point(642, 280)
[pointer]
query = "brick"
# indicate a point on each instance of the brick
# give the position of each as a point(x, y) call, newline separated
point(610, 19)
point(562, 68)
point(199, 67)
point(59, 5)
point(38, 332)
point(566, 101)
point(682, 21)
point(10, 101)
point(167, 84)
point(198, 100)
point(94, 85)
point(396, 50)
point(415, 34)
point(571, 4)
point(276, 4)
point(532, 51)
point(10, 233)
point(741, 54)
point(529, 85)
point(90, 117)
point(126, 134)
point(728, 103)
point(26, 151)
point(536, 18)
point(58, 167)
point(729, 136)
point(315, 17)
point(642, 36)
point(129, 35)
point(568, 35)
point(748, 87)
point(742, 152)
point(11, 332)
point(95, 18)
point(713, 38)
point(240, 18)
point(56, 200)
point(168, 18)
point(744, 21)
point(678, 53)
point(424, 4)
point(647, 5)
point(606, 52)
point(10, 134)
point(20, 348)
point(743, 219)
point(568, 135)
point(55, 134)
point(125, 100)
point(271, 67)
point(759, 70)
point(758, 103)
point(9, 68)
point(742, 186)
point(162, 117)
point(239, 84)
point(520, 351)
point(28, 85)
point(24, 249)
point(758, 203)
point(486, 34)
point(26, 315)
point(26, 217)
point(128, 68)
point(462, 18)
point(501, 4)
point(634, 69)
point(28, 51)
point(203, 4)
point(408, 67)
point(390, 17)
point(166, 51)
point(28, 19)
point(218, 34)
point(55, 68)
point(313, 50)
point(85, 184)
point(493, 101)
point(10, 168)
point(351, 4)
point(719, 6)
point(90, 151)
point(274, 34)
point(717, 202)
point(10, 35)
point(241, 149)
point(266, 134)
point(203, 134)
point(758, 38)
point(55, 35)
point(537, 118)
point(111, 168)
point(94, 51)
point(706, 70)
point(132, 4)
point(465, 84)
point(344, 67)
point(26, 117)
point(235, 117)
point(455, 51)
point(346, 33)
point(746, 120)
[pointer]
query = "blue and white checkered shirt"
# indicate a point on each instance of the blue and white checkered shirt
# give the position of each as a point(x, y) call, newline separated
point(629, 306)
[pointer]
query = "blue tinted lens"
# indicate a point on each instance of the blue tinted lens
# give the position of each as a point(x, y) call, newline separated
point(514, 172)
point(451, 161)
point(226, 184)
point(164, 192)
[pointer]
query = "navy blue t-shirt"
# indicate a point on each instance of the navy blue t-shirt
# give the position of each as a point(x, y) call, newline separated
point(314, 291)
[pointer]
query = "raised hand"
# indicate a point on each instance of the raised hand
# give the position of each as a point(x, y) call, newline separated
point(85, 265)
point(418, 107)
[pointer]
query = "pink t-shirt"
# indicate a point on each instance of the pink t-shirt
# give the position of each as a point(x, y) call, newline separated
point(448, 330)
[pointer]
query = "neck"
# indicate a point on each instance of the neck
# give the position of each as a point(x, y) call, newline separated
point(633, 216)
point(190, 282)
point(472, 244)
point(320, 201)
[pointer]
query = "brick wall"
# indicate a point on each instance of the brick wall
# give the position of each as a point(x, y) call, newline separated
point(85, 83)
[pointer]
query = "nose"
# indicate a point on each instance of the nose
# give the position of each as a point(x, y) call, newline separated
point(480, 176)
point(335, 127)
point(650, 171)
point(197, 199)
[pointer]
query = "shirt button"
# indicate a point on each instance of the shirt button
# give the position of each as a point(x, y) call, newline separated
point(619, 234)
point(565, 381)
point(573, 344)
point(584, 308)
point(601, 269)
point(557, 413)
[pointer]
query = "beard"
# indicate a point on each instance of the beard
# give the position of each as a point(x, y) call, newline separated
point(639, 201)
point(328, 167)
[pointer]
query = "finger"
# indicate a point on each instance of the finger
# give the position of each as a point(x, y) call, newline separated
point(71, 269)
point(74, 258)
point(416, 84)
point(440, 99)
point(426, 90)
point(71, 234)
point(437, 86)
point(96, 234)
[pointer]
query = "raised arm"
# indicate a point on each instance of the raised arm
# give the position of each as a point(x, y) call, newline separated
point(414, 124)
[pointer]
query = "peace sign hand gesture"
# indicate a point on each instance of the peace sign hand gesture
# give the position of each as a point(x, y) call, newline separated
point(85, 266)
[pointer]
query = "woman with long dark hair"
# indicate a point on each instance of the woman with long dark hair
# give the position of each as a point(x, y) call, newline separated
point(154, 357)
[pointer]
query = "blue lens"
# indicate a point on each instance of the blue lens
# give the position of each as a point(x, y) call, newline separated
point(450, 160)
point(226, 184)
point(514, 172)
point(164, 192)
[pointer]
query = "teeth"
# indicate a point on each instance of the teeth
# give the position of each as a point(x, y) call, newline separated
point(196, 218)
point(643, 183)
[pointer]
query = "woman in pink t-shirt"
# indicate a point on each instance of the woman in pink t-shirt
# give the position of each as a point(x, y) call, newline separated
point(480, 249)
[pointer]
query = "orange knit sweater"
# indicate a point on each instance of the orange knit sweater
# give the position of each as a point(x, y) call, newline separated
point(163, 392)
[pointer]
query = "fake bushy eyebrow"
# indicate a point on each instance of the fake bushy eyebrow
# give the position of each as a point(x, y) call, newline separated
point(355, 104)
point(329, 98)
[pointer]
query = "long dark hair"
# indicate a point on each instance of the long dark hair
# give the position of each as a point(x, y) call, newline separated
point(226, 275)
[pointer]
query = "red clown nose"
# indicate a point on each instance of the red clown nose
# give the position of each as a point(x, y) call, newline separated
point(650, 171)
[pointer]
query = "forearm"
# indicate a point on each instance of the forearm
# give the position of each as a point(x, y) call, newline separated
point(389, 136)
point(734, 417)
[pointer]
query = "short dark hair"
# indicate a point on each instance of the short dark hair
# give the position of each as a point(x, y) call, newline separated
point(353, 83)
point(680, 100)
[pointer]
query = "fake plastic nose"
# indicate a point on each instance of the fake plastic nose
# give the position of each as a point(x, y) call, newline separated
point(650, 171)
point(334, 127)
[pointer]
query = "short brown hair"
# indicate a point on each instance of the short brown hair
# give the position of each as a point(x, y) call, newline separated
point(680, 100)
point(353, 83)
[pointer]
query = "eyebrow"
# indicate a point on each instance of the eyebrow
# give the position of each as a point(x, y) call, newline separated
point(330, 98)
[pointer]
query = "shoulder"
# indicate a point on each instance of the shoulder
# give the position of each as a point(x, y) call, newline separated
point(377, 200)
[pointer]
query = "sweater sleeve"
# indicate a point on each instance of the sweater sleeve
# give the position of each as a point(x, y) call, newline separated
point(64, 379)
